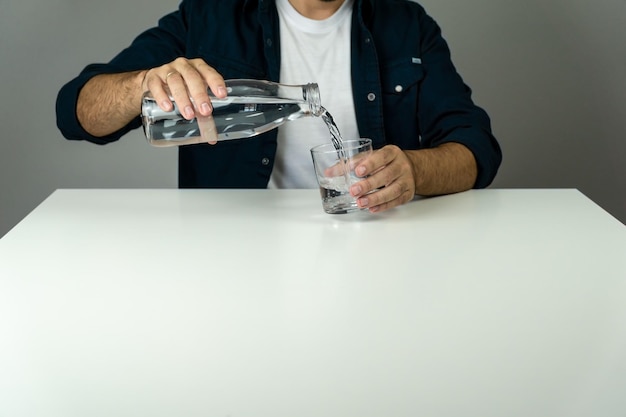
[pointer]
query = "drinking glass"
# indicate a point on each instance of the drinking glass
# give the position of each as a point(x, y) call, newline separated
point(334, 168)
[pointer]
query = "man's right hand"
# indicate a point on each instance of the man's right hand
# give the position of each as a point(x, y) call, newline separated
point(108, 102)
point(186, 80)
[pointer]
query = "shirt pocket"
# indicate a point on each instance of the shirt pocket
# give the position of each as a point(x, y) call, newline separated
point(400, 77)
point(400, 84)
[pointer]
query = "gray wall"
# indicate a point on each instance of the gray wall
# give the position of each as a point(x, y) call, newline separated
point(549, 72)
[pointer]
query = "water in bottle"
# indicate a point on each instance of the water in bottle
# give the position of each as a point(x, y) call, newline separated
point(251, 107)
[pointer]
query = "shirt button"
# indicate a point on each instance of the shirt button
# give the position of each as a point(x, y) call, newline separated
point(268, 42)
point(265, 161)
point(371, 96)
point(367, 40)
point(398, 88)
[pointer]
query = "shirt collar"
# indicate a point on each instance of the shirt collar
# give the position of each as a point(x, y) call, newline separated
point(357, 3)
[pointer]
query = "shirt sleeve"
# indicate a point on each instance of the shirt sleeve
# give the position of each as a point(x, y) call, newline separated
point(153, 47)
point(447, 112)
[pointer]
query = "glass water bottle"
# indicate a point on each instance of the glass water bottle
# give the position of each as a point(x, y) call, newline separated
point(251, 107)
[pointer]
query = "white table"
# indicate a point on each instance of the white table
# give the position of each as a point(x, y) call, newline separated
point(245, 303)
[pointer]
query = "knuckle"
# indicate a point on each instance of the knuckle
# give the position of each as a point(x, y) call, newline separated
point(367, 184)
point(388, 176)
point(398, 190)
point(391, 150)
point(152, 76)
point(405, 197)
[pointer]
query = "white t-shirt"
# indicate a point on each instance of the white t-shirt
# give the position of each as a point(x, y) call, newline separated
point(313, 51)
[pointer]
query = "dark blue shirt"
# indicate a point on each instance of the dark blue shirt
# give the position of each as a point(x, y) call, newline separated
point(406, 90)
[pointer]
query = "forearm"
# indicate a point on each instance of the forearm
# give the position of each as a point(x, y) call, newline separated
point(108, 102)
point(448, 168)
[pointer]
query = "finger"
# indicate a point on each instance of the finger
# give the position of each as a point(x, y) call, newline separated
point(155, 85)
point(382, 177)
point(402, 199)
point(177, 86)
point(340, 169)
point(211, 77)
point(389, 182)
point(187, 87)
point(383, 168)
point(357, 163)
point(383, 187)
point(193, 73)
point(208, 132)
point(391, 196)
point(369, 165)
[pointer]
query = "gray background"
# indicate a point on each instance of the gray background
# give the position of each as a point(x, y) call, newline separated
point(551, 74)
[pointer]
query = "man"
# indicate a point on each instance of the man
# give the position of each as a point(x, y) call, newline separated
point(383, 69)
